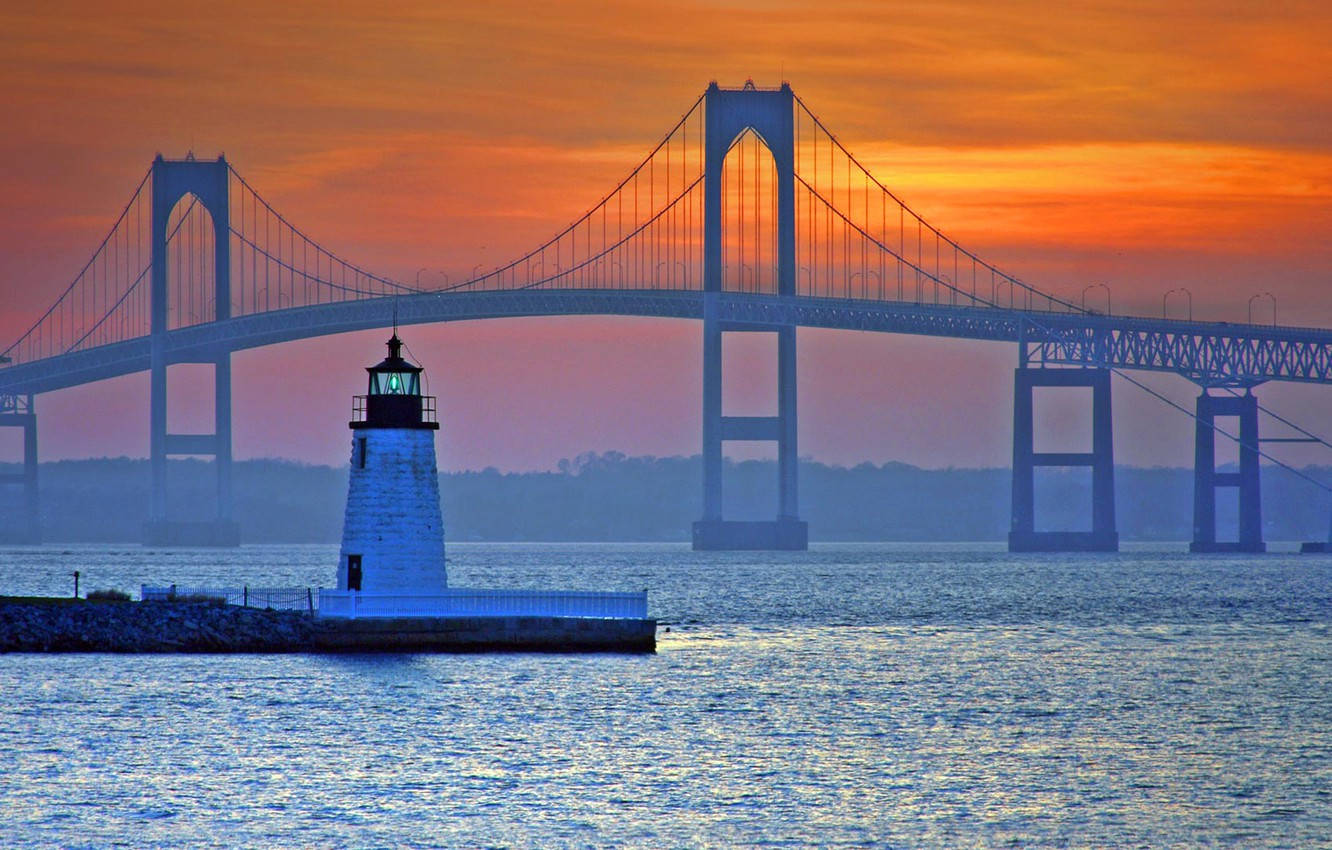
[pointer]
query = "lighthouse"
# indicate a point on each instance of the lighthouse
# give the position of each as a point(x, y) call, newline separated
point(392, 531)
point(393, 593)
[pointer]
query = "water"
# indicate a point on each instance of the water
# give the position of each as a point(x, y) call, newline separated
point(854, 695)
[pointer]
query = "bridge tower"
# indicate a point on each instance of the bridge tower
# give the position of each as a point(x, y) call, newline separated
point(208, 182)
point(17, 411)
point(727, 114)
point(1023, 536)
point(1206, 479)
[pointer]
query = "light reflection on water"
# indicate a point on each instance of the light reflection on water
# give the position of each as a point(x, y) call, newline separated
point(856, 695)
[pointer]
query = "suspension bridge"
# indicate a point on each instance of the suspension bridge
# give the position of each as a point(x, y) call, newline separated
point(749, 215)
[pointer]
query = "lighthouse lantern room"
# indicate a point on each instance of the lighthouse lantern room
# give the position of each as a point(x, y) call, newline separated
point(393, 532)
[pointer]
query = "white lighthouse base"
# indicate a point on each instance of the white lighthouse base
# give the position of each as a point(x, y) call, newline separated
point(392, 524)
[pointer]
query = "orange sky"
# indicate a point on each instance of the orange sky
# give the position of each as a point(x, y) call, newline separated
point(1149, 145)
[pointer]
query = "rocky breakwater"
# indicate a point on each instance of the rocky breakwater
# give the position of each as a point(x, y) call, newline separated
point(78, 625)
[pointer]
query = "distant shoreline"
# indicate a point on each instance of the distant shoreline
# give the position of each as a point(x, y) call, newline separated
point(615, 498)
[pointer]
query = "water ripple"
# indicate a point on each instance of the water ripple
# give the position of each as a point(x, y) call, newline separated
point(858, 696)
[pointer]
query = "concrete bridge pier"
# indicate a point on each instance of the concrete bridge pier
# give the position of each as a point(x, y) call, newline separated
point(207, 181)
point(1023, 536)
point(18, 411)
point(1206, 479)
point(713, 532)
point(161, 529)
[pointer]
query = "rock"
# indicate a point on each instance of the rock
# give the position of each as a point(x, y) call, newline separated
point(61, 625)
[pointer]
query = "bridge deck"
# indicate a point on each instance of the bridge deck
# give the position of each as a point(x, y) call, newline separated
point(1208, 352)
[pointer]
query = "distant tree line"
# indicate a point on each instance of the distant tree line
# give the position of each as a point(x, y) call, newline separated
point(611, 496)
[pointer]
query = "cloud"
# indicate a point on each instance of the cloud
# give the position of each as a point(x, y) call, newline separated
point(1146, 143)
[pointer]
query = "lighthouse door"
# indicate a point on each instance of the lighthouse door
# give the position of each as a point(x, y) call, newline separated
point(353, 572)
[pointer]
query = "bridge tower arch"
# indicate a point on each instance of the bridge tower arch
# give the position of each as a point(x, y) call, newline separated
point(208, 181)
point(729, 113)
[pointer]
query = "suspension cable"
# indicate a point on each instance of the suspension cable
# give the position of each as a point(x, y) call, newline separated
point(1284, 421)
point(937, 233)
point(499, 272)
point(111, 311)
point(1218, 429)
point(849, 223)
point(332, 256)
point(121, 218)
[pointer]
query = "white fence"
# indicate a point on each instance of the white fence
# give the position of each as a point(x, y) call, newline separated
point(467, 602)
point(454, 602)
point(279, 598)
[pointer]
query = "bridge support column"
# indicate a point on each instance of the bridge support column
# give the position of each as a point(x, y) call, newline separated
point(1206, 479)
point(163, 530)
point(19, 412)
point(727, 114)
point(1023, 536)
point(713, 532)
point(209, 182)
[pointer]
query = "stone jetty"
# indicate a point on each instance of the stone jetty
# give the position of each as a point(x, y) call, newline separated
point(77, 625)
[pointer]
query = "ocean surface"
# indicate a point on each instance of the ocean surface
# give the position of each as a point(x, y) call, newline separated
point(854, 695)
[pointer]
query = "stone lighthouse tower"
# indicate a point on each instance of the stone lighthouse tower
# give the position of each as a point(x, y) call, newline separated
point(392, 532)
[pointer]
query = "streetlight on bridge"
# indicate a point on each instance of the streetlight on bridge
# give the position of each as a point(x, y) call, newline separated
point(1088, 288)
point(1253, 298)
point(1166, 297)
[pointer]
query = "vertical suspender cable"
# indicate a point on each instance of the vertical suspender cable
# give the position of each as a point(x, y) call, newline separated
point(740, 215)
point(811, 213)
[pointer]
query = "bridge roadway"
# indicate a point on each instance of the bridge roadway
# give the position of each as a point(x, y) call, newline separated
point(1210, 353)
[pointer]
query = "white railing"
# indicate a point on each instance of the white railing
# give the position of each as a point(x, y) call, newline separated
point(278, 598)
point(468, 602)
